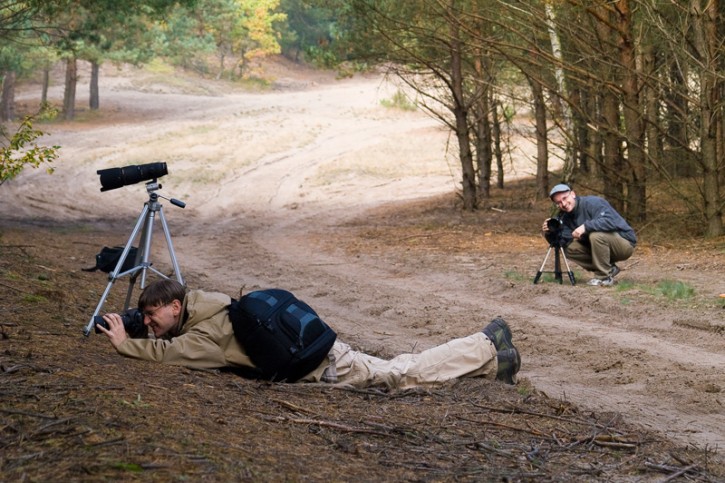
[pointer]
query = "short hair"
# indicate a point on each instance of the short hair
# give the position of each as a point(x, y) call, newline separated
point(161, 292)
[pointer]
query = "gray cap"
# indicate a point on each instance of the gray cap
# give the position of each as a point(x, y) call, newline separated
point(560, 188)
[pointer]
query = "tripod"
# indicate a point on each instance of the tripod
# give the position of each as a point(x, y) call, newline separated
point(558, 254)
point(145, 224)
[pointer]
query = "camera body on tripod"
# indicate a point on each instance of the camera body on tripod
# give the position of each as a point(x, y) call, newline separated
point(555, 234)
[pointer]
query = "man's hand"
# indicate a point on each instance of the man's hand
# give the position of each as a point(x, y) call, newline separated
point(579, 232)
point(545, 227)
point(116, 332)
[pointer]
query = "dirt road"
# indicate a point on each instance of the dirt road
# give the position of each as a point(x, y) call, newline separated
point(315, 187)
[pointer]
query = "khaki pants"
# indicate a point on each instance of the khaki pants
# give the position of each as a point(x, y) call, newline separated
point(602, 250)
point(472, 356)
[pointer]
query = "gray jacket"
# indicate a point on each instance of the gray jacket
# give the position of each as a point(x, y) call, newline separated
point(596, 214)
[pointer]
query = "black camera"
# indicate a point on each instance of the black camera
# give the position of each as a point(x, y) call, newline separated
point(132, 322)
point(113, 178)
point(555, 234)
point(555, 225)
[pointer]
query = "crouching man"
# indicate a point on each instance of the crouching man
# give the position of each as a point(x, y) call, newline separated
point(594, 234)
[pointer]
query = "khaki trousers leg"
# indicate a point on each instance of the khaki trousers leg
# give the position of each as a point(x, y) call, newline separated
point(603, 250)
point(472, 356)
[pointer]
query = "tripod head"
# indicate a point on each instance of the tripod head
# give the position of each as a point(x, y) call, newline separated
point(153, 186)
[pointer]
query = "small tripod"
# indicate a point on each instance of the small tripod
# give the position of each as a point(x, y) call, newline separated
point(145, 223)
point(558, 254)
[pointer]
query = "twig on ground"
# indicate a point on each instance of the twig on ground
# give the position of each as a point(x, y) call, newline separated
point(108, 442)
point(674, 471)
point(535, 432)
point(14, 288)
point(26, 413)
point(293, 407)
point(328, 424)
point(517, 410)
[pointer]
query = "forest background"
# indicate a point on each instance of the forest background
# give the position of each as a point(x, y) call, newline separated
point(626, 95)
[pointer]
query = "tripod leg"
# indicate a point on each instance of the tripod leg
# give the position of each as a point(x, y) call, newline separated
point(170, 245)
point(142, 259)
point(572, 280)
point(541, 270)
point(557, 264)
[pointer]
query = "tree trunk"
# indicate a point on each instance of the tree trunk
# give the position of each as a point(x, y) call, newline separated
point(460, 112)
point(566, 123)
point(482, 123)
point(94, 101)
point(46, 86)
point(7, 101)
point(581, 141)
point(69, 94)
point(612, 164)
point(222, 59)
point(484, 155)
point(593, 150)
point(633, 116)
point(677, 112)
point(611, 159)
point(706, 43)
point(497, 151)
point(542, 146)
point(651, 95)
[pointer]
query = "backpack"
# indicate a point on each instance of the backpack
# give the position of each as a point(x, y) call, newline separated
point(283, 336)
point(107, 259)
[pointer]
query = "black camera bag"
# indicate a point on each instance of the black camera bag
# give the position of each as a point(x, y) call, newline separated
point(283, 336)
point(107, 259)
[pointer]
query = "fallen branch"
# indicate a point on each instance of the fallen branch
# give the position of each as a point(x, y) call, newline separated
point(26, 413)
point(328, 424)
point(614, 444)
point(13, 288)
point(293, 407)
point(108, 442)
point(517, 410)
point(674, 471)
point(535, 432)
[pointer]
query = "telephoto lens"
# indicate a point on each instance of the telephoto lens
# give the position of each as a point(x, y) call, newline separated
point(113, 178)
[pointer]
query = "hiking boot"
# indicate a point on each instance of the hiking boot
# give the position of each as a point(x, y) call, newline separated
point(608, 282)
point(509, 363)
point(614, 271)
point(499, 333)
point(603, 282)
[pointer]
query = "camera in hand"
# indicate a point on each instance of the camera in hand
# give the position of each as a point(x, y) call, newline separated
point(132, 322)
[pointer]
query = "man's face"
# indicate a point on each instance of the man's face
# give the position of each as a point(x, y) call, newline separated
point(565, 200)
point(162, 318)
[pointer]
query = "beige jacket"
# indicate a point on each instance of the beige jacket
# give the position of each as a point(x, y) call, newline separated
point(205, 339)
